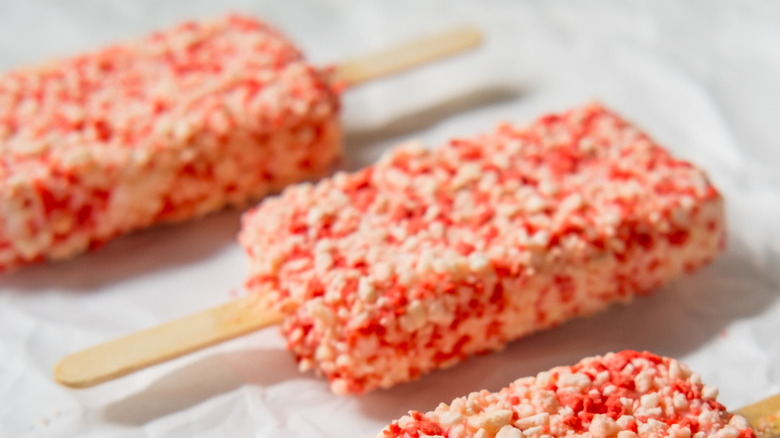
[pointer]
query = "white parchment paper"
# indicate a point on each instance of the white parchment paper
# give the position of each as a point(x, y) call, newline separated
point(703, 77)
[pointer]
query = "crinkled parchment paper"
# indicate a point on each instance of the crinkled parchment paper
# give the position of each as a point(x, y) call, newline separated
point(701, 77)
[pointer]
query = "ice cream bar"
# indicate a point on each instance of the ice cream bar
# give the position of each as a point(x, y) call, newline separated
point(618, 395)
point(431, 256)
point(167, 128)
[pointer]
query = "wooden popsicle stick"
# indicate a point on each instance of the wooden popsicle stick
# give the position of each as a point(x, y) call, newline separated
point(164, 342)
point(179, 337)
point(407, 55)
point(763, 416)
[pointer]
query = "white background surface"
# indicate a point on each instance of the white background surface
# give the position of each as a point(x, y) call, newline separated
point(701, 76)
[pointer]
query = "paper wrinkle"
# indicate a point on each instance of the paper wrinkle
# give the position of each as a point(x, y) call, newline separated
point(700, 79)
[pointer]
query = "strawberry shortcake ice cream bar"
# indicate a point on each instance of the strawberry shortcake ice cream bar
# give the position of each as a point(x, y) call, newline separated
point(618, 395)
point(431, 256)
point(167, 128)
